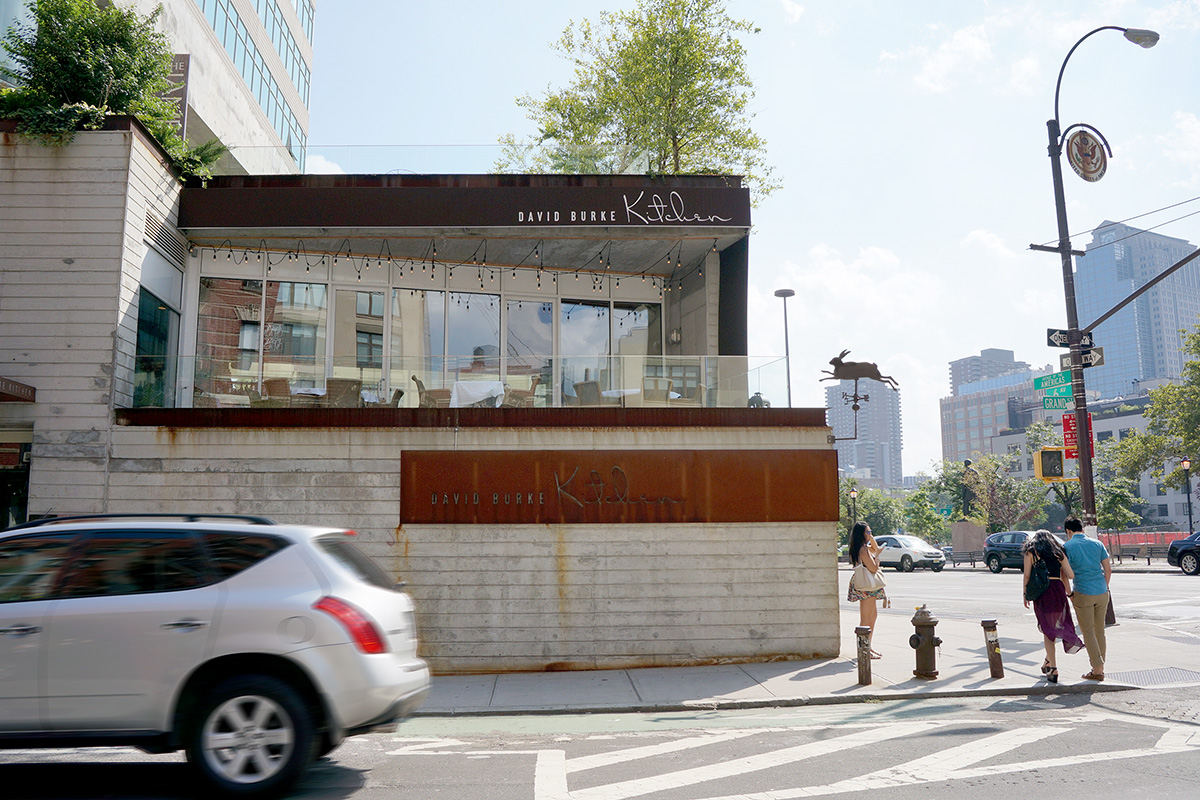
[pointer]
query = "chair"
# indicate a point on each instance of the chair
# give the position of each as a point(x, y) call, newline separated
point(431, 398)
point(697, 398)
point(343, 392)
point(656, 390)
point(521, 398)
point(588, 393)
point(278, 389)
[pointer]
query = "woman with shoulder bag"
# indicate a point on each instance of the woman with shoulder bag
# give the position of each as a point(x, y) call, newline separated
point(1047, 584)
point(866, 583)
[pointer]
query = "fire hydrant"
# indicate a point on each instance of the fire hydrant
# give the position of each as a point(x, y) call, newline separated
point(924, 641)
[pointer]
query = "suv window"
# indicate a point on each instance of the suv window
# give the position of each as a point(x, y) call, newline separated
point(135, 562)
point(233, 552)
point(353, 559)
point(30, 564)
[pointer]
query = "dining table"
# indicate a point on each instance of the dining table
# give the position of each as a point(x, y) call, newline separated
point(489, 394)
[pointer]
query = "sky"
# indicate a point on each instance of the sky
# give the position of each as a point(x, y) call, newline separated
point(910, 139)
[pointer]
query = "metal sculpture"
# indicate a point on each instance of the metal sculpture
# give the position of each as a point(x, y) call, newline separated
point(854, 370)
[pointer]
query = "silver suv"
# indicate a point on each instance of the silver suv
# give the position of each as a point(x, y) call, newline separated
point(252, 646)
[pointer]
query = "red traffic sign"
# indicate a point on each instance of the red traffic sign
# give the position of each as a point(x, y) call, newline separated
point(1071, 436)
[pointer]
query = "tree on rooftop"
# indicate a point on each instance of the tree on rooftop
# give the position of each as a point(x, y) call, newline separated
point(76, 63)
point(659, 89)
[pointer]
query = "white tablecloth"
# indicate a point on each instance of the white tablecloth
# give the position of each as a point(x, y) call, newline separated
point(468, 393)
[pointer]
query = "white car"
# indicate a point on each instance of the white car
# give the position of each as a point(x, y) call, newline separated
point(254, 647)
point(905, 553)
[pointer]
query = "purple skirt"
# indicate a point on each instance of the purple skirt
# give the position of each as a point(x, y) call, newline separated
point(1053, 612)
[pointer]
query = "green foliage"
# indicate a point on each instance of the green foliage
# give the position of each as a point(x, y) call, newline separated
point(660, 89)
point(79, 62)
point(922, 518)
point(884, 514)
point(998, 501)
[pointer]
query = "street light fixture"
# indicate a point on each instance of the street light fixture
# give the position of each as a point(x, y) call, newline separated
point(854, 503)
point(1087, 490)
point(787, 356)
point(1187, 488)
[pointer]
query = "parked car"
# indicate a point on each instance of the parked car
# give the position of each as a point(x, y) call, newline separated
point(253, 647)
point(905, 553)
point(1185, 554)
point(1005, 549)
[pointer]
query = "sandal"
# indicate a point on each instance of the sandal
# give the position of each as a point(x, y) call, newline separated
point(875, 655)
point(1052, 674)
point(1046, 667)
point(1094, 676)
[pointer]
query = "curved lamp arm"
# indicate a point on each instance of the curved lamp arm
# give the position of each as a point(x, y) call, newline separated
point(1139, 36)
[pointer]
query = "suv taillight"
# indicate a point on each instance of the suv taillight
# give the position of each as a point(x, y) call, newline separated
point(364, 633)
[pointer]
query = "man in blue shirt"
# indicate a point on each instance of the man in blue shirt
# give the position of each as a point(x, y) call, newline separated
point(1093, 570)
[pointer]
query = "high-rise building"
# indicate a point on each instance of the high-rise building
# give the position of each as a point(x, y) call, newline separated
point(981, 410)
point(1141, 341)
point(990, 363)
point(879, 439)
point(246, 66)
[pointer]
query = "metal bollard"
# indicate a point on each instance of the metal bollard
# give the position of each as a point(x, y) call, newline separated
point(863, 634)
point(924, 641)
point(991, 641)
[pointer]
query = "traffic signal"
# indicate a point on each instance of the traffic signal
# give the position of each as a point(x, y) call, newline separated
point(1049, 464)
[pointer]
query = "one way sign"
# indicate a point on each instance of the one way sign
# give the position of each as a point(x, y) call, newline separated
point(1058, 338)
point(1091, 358)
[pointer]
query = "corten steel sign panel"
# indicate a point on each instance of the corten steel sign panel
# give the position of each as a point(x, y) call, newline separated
point(630, 486)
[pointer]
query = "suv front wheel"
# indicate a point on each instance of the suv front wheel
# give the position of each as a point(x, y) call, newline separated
point(251, 736)
point(1190, 563)
point(994, 563)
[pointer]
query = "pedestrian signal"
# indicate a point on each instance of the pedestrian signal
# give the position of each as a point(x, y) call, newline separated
point(1049, 465)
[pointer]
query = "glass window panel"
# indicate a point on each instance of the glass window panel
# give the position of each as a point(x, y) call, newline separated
point(294, 333)
point(223, 368)
point(585, 344)
point(154, 366)
point(529, 343)
point(417, 340)
point(473, 336)
point(29, 566)
point(116, 564)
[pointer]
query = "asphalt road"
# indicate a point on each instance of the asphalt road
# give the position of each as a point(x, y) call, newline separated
point(1099, 746)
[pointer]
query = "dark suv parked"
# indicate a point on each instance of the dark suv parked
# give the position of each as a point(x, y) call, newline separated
point(1003, 549)
point(1185, 554)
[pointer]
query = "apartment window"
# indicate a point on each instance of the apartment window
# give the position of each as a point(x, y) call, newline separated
point(1160, 490)
point(1162, 510)
point(1103, 436)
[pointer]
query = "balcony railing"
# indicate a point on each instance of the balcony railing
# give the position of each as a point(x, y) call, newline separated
point(456, 382)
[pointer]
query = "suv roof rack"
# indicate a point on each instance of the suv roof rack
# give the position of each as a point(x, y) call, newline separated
point(254, 520)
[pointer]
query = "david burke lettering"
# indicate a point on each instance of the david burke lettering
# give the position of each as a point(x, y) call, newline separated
point(652, 210)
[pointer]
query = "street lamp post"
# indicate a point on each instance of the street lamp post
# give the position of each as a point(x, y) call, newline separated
point(1187, 488)
point(854, 503)
point(787, 355)
point(1087, 491)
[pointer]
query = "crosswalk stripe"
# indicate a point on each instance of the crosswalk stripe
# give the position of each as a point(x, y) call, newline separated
point(741, 766)
point(635, 753)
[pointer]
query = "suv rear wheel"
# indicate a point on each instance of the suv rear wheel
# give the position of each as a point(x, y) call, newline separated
point(251, 736)
point(994, 563)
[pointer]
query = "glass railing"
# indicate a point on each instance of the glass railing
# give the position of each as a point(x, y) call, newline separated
point(456, 382)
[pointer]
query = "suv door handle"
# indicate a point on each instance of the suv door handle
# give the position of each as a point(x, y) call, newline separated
point(184, 625)
point(20, 630)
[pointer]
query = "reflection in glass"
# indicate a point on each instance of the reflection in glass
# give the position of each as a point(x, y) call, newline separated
point(227, 339)
point(529, 343)
point(294, 342)
point(473, 336)
point(154, 370)
point(417, 340)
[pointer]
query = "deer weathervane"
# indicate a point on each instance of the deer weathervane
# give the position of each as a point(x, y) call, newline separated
point(854, 371)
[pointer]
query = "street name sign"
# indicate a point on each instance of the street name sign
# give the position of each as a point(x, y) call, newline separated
point(1066, 390)
point(1091, 358)
point(1053, 379)
point(1059, 338)
point(1056, 403)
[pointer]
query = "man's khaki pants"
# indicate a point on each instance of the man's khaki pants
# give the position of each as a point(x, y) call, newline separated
point(1090, 610)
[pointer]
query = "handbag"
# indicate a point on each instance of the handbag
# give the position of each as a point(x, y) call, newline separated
point(1039, 580)
point(867, 581)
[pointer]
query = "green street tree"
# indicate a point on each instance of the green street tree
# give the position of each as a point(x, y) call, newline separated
point(1041, 434)
point(662, 88)
point(997, 501)
point(78, 62)
point(922, 518)
point(884, 514)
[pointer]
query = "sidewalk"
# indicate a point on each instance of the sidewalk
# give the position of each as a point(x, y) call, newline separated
point(1140, 655)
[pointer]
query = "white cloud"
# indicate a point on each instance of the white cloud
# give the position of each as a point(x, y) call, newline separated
point(1182, 146)
point(319, 165)
point(792, 12)
point(986, 240)
point(1025, 77)
point(938, 68)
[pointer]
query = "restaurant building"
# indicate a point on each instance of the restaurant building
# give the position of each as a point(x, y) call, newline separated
point(526, 393)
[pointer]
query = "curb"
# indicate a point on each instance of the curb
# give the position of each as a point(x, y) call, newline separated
point(777, 702)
